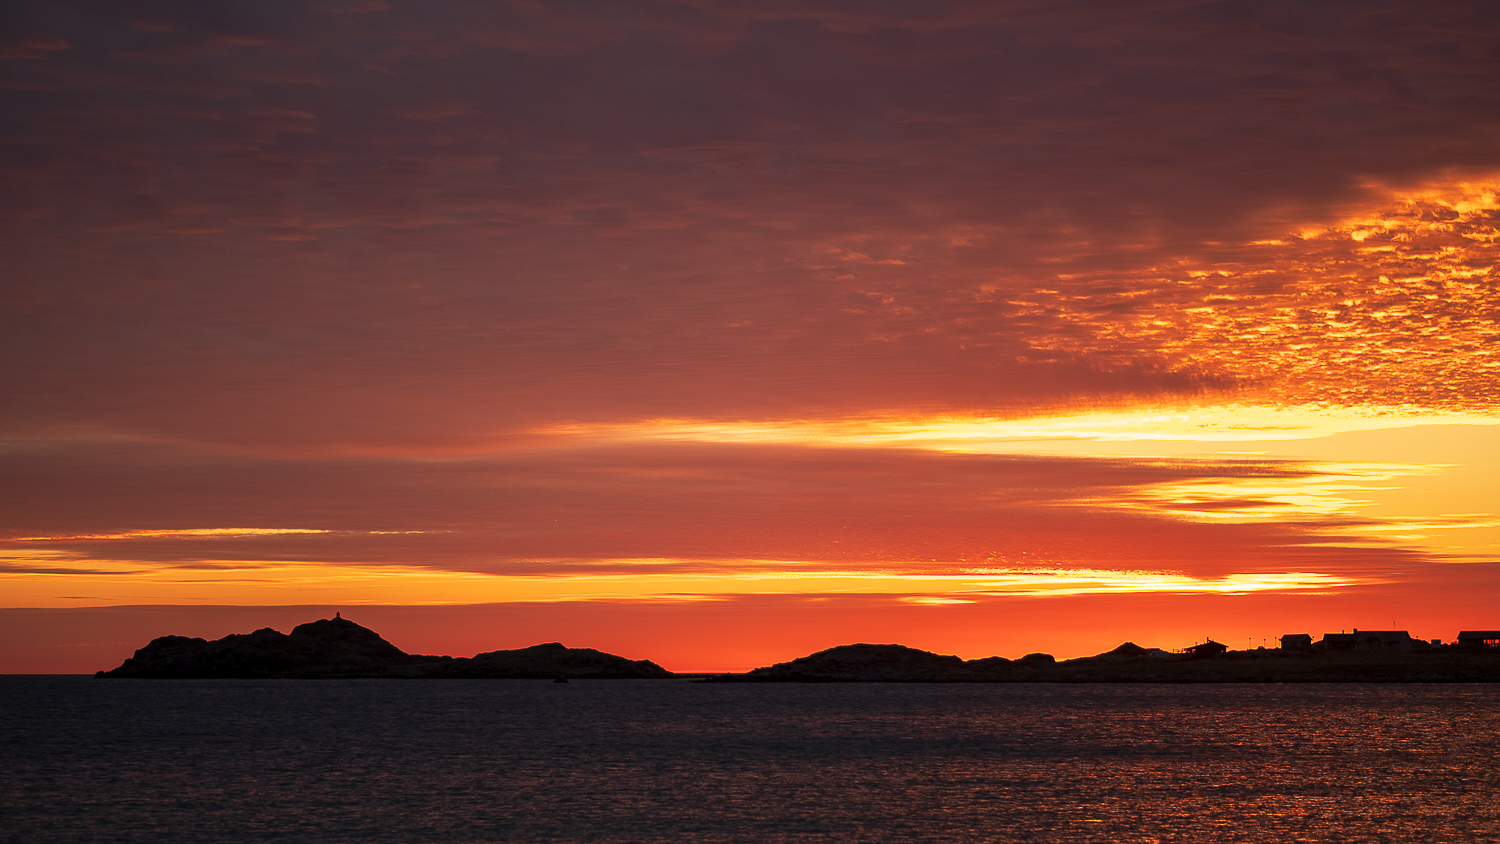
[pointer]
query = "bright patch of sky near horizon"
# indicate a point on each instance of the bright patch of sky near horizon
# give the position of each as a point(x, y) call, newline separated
point(659, 301)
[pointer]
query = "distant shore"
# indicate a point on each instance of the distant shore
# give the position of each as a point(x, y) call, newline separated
point(337, 648)
point(1267, 666)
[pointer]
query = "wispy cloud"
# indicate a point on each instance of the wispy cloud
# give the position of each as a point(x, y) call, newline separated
point(642, 520)
point(1221, 422)
point(187, 533)
point(46, 580)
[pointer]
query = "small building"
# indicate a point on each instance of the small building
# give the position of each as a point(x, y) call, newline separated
point(1482, 638)
point(1383, 640)
point(1297, 642)
point(1206, 650)
point(1335, 642)
point(1367, 640)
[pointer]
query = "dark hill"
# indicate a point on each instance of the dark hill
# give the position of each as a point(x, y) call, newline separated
point(337, 647)
point(886, 663)
point(549, 661)
point(1129, 650)
point(865, 662)
point(891, 664)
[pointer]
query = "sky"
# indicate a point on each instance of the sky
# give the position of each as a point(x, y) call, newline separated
point(718, 333)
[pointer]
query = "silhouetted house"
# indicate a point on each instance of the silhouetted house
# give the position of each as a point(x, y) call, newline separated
point(1335, 642)
point(1296, 642)
point(1383, 640)
point(1206, 650)
point(1482, 638)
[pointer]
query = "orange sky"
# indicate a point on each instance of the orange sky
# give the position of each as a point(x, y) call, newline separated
point(720, 333)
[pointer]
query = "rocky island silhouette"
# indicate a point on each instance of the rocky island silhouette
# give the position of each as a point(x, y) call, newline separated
point(339, 648)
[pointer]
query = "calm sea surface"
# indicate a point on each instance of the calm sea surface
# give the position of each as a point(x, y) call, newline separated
point(505, 760)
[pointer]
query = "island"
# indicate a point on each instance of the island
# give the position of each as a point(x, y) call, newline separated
point(333, 648)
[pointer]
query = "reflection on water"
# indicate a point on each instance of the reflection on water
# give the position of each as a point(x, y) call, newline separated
point(481, 760)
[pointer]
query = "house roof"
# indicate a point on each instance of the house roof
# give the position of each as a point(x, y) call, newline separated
point(1383, 635)
point(1366, 635)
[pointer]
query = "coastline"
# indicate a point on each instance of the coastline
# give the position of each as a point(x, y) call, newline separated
point(1266, 667)
point(338, 648)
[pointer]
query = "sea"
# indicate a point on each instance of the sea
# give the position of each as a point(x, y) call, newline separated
point(672, 760)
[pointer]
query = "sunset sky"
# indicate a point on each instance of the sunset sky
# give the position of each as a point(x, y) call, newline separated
point(718, 332)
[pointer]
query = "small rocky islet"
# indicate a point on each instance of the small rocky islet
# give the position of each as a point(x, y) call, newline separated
point(336, 647)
